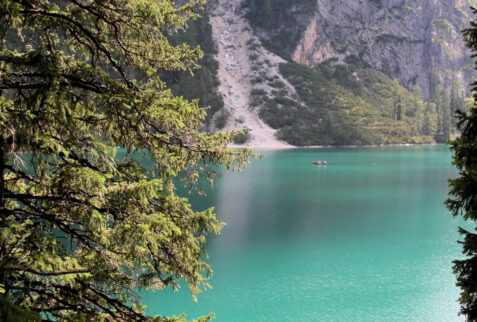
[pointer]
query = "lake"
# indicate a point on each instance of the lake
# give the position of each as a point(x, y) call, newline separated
point(366, 238)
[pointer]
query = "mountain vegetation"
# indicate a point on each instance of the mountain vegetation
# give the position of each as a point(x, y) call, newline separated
point(202, 83)
point(84, 228)
point(354, 104)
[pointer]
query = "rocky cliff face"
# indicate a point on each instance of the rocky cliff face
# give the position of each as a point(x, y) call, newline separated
point(347, 100)
point(407, 40)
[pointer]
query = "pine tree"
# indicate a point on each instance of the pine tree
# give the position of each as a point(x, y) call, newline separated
point(419, 107)
point(429, 126)
point(456, 100)
point(396, 103)
point(463, 193)
point(84, 229)
point(399, 111)
point(446, 116)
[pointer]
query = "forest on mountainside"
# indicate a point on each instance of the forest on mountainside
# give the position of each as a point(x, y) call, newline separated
point(352, 104)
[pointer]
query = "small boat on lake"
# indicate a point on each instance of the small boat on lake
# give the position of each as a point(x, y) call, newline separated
point(320, 162)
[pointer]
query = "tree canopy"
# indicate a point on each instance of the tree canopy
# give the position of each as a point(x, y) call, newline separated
point(463, 193)
point(83, 228)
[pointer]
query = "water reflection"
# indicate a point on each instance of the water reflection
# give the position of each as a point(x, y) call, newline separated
point(366, 237)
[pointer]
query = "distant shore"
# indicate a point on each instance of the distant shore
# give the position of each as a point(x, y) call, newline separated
point(280, 147)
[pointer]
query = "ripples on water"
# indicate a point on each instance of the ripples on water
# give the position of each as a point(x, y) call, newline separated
point(366, 238)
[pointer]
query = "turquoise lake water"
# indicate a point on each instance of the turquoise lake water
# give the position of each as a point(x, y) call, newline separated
point(366, 238)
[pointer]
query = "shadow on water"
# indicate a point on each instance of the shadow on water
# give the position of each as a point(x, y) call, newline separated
point(366, 237)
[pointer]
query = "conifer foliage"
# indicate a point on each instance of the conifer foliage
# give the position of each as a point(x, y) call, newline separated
point(463, 200)
point(82, 228)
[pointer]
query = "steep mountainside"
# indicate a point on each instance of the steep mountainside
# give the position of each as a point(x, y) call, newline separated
point(240, 58)
point(316, 72)
point(412, 41)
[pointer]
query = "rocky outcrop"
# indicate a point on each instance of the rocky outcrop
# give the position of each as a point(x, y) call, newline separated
point(238, 54)
point(407, 40)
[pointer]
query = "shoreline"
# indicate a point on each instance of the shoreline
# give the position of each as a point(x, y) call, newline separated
point(275, 148)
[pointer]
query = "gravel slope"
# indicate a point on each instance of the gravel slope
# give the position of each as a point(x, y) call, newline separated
point(233, 34)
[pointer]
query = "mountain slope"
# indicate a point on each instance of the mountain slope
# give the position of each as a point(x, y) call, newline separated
point(406, 40)
point(234, 37)
point(315, 72)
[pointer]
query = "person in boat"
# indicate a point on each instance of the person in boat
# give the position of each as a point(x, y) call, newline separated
point(320, 162)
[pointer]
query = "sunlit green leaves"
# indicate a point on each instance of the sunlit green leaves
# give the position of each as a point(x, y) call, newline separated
point(84, 228)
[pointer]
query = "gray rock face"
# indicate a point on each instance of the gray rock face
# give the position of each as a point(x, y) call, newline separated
point(407, 40)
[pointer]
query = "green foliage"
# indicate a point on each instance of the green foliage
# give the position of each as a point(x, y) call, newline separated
point(463, 193)
point(258, 92)
point(242, 137)
point(429, 126)
point(83, 230)
point(346, 104)
point(12, 312)
point(203, 83)
point(446, 116)
point(463, 201)
point(222, 117)
point(457, 101)
point(446, 104)
point(277, 84)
